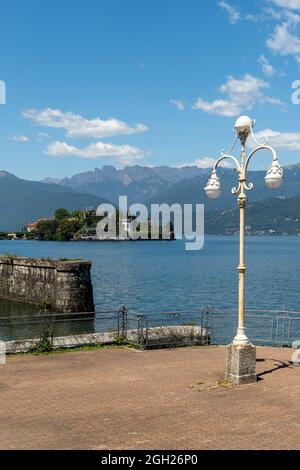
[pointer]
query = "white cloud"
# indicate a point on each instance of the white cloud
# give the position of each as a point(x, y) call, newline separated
point(245, 86)
point(233, 14)
point(77, 126)
point(179, 104)
point(219, 107)
point(124, 154)
point(284, 15)
point(252, 18)
point(292, 18)
point(283, 42)
point(205, 162)
point(42, 136)
point(292, 4)
point(20, 138)
point(267, 68)
point(280, 140)
point(240, 95)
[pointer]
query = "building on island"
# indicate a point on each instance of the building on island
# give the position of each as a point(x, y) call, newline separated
point(32, 226)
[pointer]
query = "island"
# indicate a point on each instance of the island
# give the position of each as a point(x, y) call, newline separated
point(81, 225)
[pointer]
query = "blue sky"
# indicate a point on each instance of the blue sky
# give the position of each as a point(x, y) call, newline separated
point(152, 82)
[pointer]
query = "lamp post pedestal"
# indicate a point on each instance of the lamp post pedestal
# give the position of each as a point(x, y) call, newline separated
point(241, 364)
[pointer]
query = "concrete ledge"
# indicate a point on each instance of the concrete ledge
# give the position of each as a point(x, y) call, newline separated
point(155, 336)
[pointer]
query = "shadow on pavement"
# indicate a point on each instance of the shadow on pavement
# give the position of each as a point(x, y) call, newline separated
point(278, 366)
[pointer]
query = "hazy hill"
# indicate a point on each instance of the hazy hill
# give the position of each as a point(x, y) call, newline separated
point(25, 201)
point(278, 215)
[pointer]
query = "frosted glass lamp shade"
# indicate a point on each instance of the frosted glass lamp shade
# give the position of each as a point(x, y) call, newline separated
point(213, 187)
point(274, 176)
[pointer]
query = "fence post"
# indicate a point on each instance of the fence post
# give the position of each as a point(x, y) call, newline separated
point(143, 325)
point(204, 325)
point(147, 331)
point(124, 312)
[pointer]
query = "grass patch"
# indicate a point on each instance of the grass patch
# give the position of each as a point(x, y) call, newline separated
point(9, 256)
point(45, 349)
point(70, 259)
point(208, 386)
point(224, 384)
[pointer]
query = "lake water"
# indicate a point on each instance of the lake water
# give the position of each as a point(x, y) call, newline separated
point(155, 276)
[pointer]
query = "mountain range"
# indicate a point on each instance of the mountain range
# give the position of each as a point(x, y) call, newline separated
point(173, 185)
point(139, 184)
point(23, 201)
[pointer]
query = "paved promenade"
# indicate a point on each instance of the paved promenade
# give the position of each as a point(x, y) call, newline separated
point(169, 399)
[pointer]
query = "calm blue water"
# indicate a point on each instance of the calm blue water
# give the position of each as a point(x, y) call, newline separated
point(161, 276)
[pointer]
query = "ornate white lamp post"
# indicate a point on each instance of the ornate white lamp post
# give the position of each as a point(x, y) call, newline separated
point(241, 355)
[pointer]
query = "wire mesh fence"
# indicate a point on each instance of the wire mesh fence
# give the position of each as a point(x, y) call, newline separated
point(172, 329)
point(52, 331)
point(263, 327)
point(46, 331)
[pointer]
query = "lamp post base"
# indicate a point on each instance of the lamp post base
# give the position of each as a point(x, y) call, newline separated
point(241, 364)
point(241, 339)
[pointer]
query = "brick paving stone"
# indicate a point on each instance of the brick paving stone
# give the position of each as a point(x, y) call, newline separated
point(166, 399)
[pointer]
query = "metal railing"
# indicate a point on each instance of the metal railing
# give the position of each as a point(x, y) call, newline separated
point(263, 327)
point(173, 329)
point(46, 331)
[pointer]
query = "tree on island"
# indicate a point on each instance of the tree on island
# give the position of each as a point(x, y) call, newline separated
point(61, 214)
point(76, 225)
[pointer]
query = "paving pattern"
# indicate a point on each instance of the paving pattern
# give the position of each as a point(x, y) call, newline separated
point(168, 399)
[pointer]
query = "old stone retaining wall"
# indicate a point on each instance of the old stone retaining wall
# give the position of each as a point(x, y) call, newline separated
point(65, 285)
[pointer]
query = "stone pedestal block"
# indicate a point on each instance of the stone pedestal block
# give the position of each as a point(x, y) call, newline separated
point(241, 364)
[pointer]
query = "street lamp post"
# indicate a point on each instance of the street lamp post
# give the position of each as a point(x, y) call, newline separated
point(241, 354)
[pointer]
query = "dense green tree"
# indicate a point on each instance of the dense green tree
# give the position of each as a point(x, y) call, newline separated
point(80, 215)
point(46, 230)
point(70, 226)
point(67, 229)
point(19, 234)
point(61, 214)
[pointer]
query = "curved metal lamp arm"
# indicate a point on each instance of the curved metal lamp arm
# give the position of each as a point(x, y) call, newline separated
point(225, 157)
point(261, 147)
point(231, 148)
point(238, 168)
point(254, 138)
point(250, 186)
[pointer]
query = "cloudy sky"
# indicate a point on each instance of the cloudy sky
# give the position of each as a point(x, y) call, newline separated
point(91, 83)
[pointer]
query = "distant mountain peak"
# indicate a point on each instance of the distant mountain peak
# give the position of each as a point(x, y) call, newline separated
point(51, 180)
point(4, 174)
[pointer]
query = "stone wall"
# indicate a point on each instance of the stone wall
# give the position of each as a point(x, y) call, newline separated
point(65, 285)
